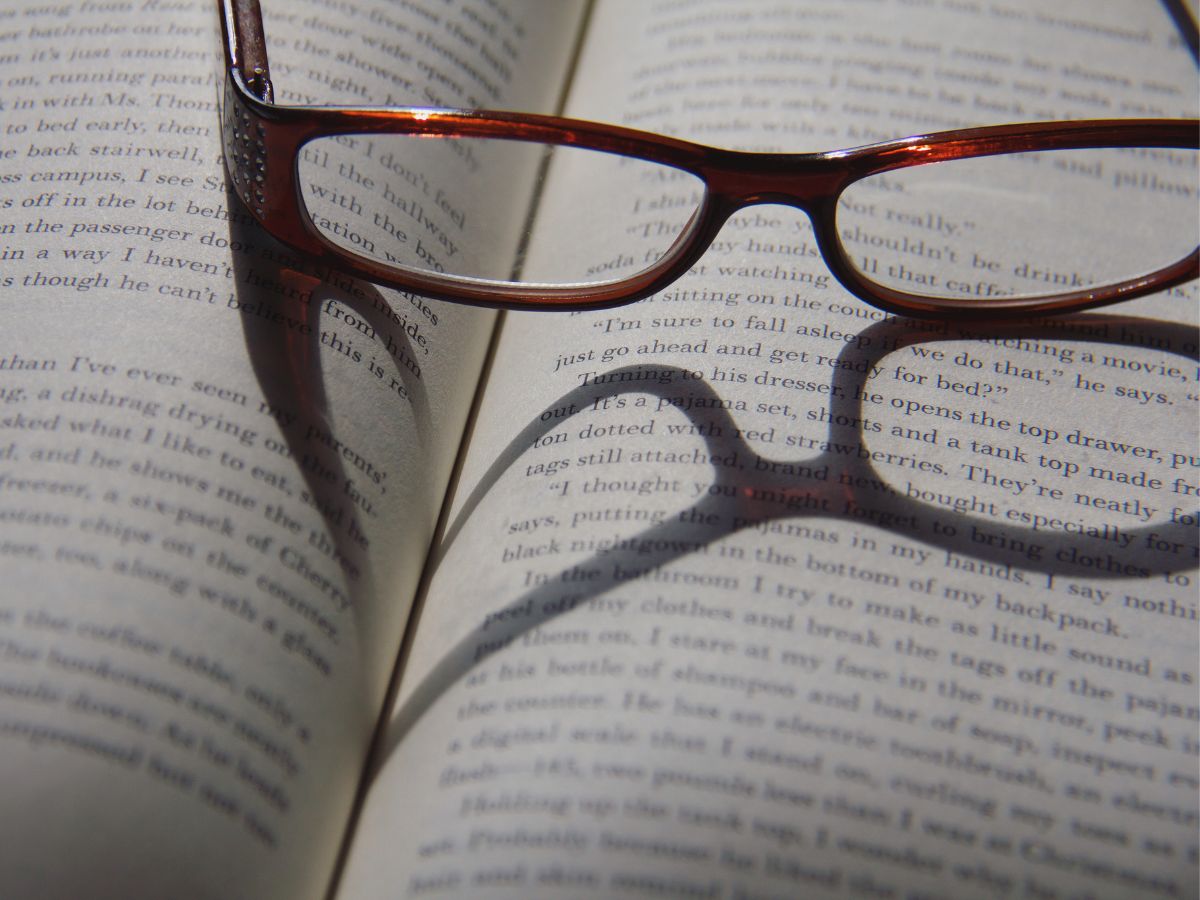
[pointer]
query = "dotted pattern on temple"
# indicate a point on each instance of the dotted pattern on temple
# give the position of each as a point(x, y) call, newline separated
point(245, 151)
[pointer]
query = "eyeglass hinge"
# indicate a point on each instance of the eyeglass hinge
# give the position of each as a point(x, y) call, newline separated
point(259, 83)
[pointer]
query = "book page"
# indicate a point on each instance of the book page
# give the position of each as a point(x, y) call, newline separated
point(752, 590)
point(220, 464)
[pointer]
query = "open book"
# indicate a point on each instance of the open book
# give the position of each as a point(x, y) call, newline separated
point(746, 590)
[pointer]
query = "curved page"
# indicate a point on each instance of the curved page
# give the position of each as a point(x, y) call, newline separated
point(754, 591)
point(221, 463)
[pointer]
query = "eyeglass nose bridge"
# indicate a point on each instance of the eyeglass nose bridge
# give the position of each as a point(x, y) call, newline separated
point(810, 183)
point(799, 180)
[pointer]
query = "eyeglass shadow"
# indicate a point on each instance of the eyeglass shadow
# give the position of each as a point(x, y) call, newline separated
point(887, 336)
point(288, 369)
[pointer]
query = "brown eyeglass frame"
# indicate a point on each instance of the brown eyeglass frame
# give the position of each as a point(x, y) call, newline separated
point(262, 141)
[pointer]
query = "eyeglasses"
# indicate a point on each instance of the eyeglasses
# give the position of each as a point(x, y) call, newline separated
point(538, 212)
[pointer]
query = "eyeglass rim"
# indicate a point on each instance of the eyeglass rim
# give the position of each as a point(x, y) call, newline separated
point(733, 180)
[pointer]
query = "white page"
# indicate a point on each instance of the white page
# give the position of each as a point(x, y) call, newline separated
point(220, 473)
point(789, 700)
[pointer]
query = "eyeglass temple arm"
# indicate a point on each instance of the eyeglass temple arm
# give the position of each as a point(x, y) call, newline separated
point(250, 50)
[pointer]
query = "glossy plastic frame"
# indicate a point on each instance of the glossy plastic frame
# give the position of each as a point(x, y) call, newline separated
point(262, 141)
